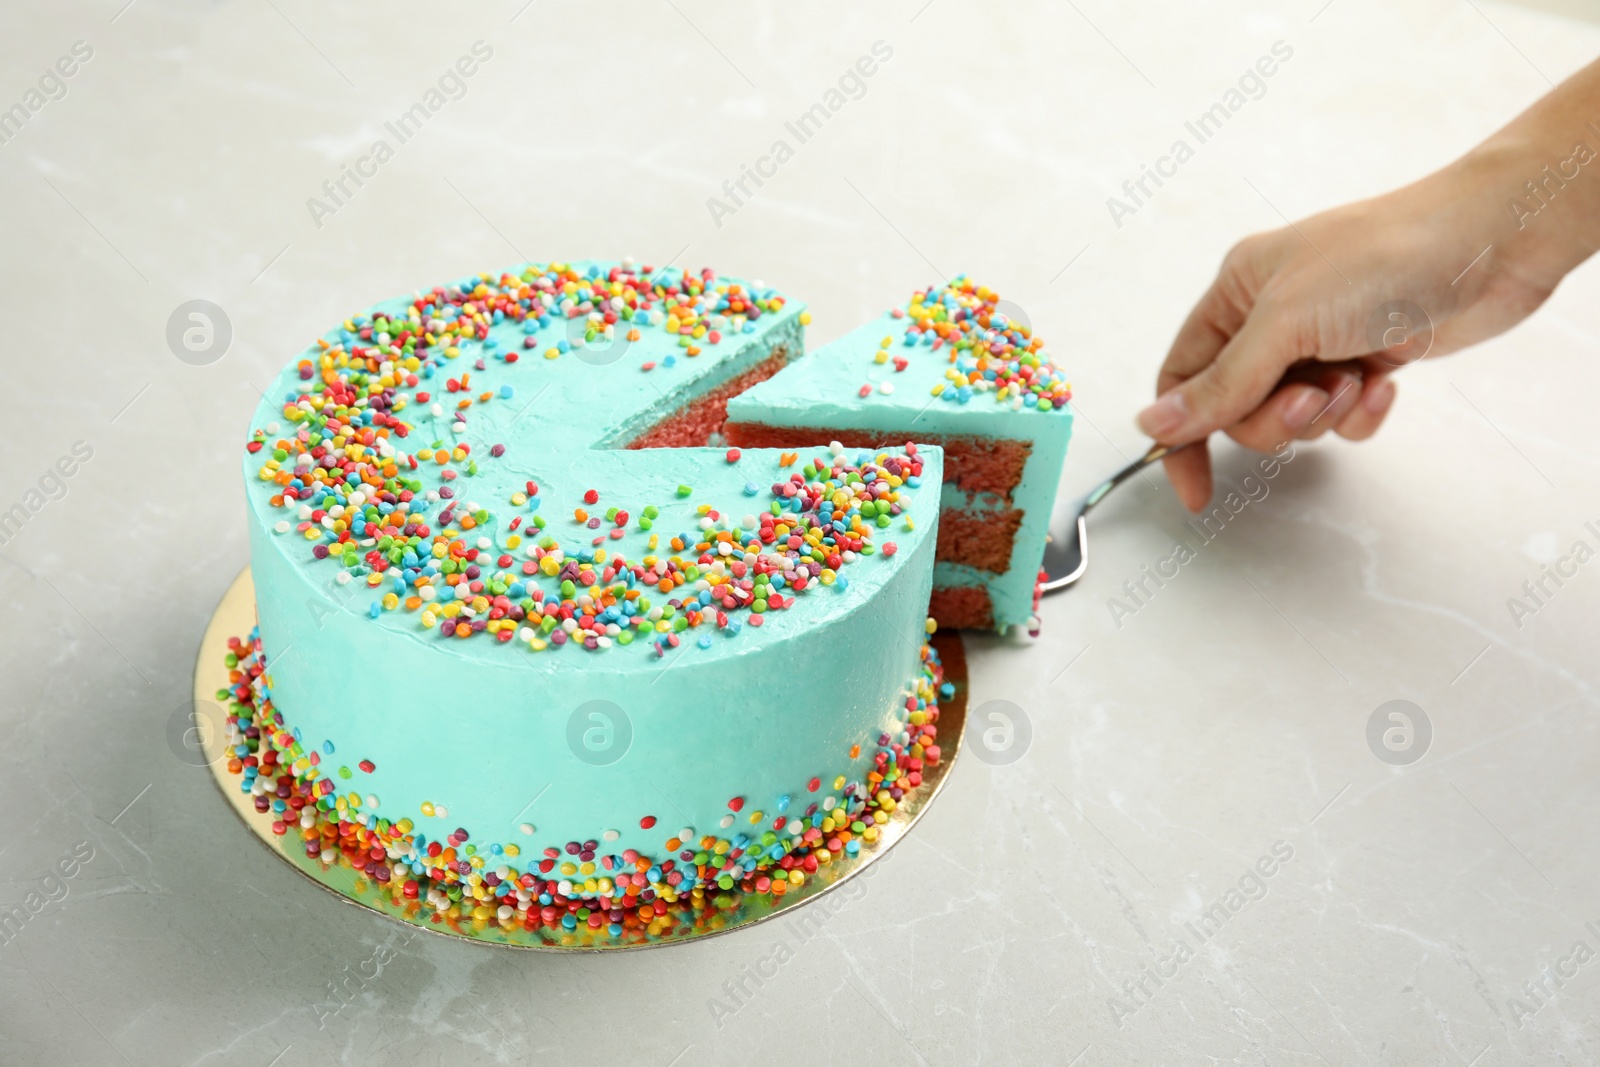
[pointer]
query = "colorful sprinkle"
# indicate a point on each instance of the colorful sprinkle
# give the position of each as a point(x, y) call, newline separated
point(987, 352)
point(573, 887)
point(403, 522)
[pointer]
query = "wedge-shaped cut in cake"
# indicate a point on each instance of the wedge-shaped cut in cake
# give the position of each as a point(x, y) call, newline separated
point(950, 369)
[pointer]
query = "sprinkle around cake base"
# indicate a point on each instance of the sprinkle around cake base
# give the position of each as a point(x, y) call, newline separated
point(706, 916)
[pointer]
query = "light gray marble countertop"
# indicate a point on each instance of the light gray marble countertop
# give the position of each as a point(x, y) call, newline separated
point(1224, 719)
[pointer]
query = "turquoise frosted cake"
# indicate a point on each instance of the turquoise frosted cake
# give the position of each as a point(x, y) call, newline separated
point(527, 656)
point(948, 368)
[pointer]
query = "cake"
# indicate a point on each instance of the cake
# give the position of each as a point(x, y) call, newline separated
point(948, 368)
point(529, 653)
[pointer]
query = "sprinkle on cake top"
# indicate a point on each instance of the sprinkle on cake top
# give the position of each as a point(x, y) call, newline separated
point(987, 351)
point(399, 517)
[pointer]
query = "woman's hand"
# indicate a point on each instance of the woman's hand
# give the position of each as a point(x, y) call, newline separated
point(1304, 326)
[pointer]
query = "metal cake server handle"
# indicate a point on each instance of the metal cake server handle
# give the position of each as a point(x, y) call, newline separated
point(1066, 558)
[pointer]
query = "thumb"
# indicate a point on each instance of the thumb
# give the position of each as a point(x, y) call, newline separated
point(1227, 389)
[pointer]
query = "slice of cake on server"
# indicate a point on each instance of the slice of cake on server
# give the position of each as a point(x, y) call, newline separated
point(949, 368)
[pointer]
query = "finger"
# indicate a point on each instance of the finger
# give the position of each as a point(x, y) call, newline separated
point(1377, 398)
point(1283, 416)
point(1189, 472)
point(1229, 388)
point(1211, 324)
point(1221, 312)
point(1343, 388)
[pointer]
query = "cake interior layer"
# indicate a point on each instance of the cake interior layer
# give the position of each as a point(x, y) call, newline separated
point(699, 421)
point(962, 607)
point(982, 540)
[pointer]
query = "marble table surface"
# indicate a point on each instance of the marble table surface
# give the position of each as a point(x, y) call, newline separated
point(1201, 765)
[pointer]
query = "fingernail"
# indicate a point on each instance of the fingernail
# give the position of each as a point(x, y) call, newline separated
point(1343, 385)
point(1164, 416)
point(1304, 408)
point(1379, 399)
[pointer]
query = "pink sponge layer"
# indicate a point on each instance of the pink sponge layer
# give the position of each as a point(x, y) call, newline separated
point(693, 426)
point(980, 539)
point(962, 607)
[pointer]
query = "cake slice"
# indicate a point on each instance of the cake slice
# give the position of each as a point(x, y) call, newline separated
point(950, 369)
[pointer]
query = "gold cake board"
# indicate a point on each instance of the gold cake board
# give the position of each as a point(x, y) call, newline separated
point(725, 911)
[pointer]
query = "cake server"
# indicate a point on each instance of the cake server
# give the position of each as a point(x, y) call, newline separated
point(1066, 550)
